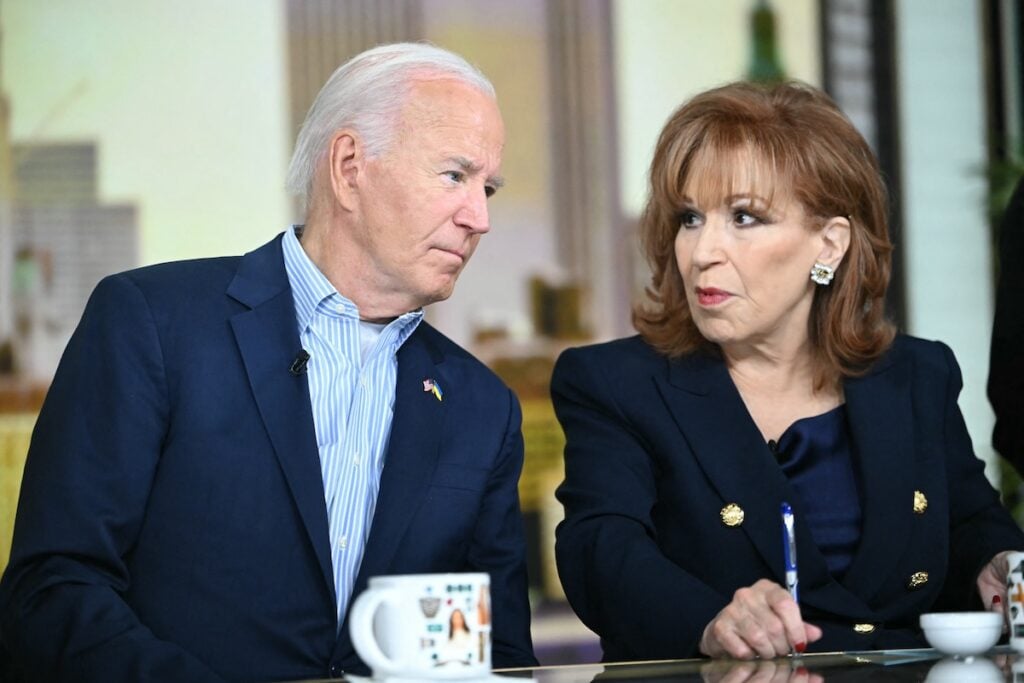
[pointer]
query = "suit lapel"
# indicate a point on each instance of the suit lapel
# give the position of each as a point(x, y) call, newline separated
point(412, 454)
point(715, 422)
point(268, 340)
point(881, 419)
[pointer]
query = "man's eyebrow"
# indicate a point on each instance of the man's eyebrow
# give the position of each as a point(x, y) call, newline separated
point(471, 168)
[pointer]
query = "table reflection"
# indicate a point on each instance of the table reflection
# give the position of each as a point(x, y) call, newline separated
point(927, 665)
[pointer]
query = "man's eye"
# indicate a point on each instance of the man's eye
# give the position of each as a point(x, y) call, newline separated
point(455, 176)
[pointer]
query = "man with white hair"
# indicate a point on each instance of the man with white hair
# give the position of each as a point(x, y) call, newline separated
point(231, 447)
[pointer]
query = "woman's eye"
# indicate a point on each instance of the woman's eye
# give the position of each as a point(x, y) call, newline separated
point(689, 219)
point(744, 219)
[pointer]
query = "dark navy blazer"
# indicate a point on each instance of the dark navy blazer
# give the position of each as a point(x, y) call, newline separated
point(172, 523)
point(657, 448)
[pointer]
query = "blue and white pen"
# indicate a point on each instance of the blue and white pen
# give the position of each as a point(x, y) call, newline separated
point(789, 549)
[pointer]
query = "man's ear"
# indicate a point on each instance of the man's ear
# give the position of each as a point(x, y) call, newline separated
point(345, 163)
point(835, 238)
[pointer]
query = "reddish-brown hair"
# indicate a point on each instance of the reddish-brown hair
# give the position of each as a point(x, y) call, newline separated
point(807, 149)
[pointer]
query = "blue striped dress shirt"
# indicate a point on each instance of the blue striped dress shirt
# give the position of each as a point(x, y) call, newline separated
point(353, 398)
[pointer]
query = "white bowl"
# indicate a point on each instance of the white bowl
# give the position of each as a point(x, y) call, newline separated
point(962, 633)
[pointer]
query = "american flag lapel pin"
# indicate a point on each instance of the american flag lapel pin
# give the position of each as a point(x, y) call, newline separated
point(432, 387)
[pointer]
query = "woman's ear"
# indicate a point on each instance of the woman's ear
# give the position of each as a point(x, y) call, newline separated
point(345, 163)
point(835, 238)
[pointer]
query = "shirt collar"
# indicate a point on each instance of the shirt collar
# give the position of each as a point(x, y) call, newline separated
point(309, 286)
point(311, 289)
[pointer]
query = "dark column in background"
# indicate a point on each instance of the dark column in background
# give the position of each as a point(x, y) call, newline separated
point(1003, 25)
point(859, 72)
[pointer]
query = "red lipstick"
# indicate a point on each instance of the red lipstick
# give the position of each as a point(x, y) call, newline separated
point(711, 296)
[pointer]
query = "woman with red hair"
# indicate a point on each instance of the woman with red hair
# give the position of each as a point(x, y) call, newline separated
point(767, 372)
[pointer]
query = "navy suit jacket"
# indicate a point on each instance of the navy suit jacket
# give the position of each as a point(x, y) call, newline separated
point(657, 448)
point(172, 523)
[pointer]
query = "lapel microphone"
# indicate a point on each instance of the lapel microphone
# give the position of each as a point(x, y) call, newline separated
point(299, 364)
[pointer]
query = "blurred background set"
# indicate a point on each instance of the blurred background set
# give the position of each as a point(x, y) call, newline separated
point(135, 133)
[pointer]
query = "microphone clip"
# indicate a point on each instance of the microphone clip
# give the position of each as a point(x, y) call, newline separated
point(298, 366)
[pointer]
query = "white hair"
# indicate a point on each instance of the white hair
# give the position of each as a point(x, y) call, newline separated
point(366, 94)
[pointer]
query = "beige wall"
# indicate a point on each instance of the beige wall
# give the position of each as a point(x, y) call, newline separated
point(944, 152)
point(184, 98)
point(669, 50)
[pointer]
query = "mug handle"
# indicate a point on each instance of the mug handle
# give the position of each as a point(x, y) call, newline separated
point(361, 629)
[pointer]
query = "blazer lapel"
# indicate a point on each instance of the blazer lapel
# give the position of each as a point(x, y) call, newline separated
point(715, 422)
point(268, 340)
point(412, 454)
point(881, 419)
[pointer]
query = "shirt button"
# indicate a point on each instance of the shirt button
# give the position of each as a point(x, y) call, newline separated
point(362, 381)
point(343, 542)
point(356, 460)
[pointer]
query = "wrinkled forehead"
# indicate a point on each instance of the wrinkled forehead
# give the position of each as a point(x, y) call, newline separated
point(714, 175)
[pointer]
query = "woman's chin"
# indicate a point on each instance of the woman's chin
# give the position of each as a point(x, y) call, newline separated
point(717, 335)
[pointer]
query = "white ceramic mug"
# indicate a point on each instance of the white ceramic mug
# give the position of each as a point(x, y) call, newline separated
point(424, 626)
point(1015, 599)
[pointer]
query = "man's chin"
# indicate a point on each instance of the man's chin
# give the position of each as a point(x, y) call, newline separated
point(438, 297)
point(438, 294)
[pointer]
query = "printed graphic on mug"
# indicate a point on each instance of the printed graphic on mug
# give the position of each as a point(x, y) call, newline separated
point(425, 625)
point(1015, 600)
point(467, 637)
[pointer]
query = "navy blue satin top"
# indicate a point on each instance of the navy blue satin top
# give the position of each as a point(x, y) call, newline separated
point(816, 456)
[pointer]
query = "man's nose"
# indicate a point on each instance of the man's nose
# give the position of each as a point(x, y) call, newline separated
point(473, 214)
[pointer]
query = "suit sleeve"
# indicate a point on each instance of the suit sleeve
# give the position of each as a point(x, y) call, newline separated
point(615, 576)
point(979, 525)
point(91, 463)
point(499, 548)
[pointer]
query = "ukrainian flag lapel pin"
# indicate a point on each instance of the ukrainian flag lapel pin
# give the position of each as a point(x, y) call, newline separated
point(432, 387)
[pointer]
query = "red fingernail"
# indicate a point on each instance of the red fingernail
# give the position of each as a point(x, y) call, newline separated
point(996, 600)
point(800, 647)
point(802, 671)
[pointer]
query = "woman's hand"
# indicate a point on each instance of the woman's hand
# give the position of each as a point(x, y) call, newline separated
point(762, 620)
point(992, 582)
